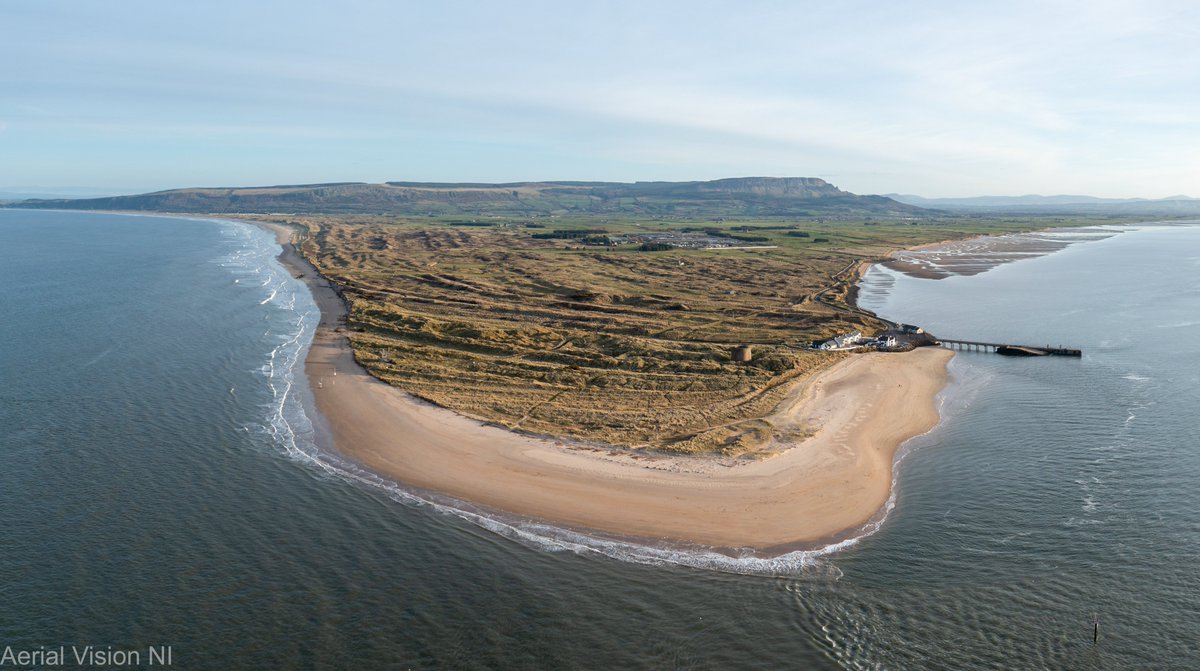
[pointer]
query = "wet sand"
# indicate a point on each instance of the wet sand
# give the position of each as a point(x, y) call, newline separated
point(818, 491)
point(972, 256)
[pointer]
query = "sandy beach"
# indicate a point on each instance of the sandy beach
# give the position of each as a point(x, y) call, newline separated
point(817, 491)
point(972, 256)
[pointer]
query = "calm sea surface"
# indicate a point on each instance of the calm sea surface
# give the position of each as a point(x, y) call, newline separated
point(159, 485)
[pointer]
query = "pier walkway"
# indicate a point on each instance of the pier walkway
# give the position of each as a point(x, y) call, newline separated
point(1010, 350)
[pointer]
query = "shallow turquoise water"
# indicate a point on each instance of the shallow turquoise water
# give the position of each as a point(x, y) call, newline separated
point(159, 485)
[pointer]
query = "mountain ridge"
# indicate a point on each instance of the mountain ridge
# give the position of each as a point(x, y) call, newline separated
point(1031, 200)
point(736, 196)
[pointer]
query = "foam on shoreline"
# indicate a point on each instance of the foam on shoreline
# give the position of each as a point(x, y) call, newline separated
point(973, 256)
point(769, 557)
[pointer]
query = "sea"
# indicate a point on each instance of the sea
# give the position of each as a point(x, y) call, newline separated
point(163, 485)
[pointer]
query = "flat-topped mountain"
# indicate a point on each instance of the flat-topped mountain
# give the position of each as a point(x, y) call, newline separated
point(742, 196)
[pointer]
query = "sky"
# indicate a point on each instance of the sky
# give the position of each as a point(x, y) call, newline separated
point(939, 99)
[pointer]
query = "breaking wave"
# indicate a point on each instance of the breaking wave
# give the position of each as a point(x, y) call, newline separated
point(288, 425)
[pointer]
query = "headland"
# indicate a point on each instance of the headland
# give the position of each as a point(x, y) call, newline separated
point(845, 423)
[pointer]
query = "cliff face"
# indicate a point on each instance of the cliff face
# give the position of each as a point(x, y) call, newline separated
point(742, 196)
point(795, 187)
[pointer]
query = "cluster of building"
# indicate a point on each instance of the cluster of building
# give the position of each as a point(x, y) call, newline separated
point(855, 340)
point(681, 240)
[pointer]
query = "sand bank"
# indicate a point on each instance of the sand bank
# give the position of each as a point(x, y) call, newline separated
point(820, 490)
point(972, 256)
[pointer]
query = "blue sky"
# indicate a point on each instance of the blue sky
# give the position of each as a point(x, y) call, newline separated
point(936, 99)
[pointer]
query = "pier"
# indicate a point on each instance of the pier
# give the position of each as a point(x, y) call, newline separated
point(1009, 350)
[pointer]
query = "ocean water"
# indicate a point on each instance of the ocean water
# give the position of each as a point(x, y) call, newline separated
point(161, 483)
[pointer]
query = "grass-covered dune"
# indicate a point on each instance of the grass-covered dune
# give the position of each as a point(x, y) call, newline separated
point(539, 326)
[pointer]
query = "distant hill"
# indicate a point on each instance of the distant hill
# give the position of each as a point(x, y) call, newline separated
point(29, 193)
point(743, 196)
point(1036, 204)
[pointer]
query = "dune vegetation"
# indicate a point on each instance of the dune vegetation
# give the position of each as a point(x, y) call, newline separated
point(580, 328)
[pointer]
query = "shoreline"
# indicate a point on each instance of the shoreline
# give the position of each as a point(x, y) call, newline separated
point(975, 255)
point(821, 491)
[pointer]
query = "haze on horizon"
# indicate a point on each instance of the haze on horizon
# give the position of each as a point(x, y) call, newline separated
point(935, 99)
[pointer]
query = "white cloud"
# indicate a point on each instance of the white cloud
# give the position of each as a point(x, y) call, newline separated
point(950, 98)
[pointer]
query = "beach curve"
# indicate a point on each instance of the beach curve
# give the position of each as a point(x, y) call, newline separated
point(821, 491)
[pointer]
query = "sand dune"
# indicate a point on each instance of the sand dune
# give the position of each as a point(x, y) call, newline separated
point(822, 488)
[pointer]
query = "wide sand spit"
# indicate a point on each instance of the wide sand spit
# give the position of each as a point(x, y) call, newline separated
point(823, 489)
